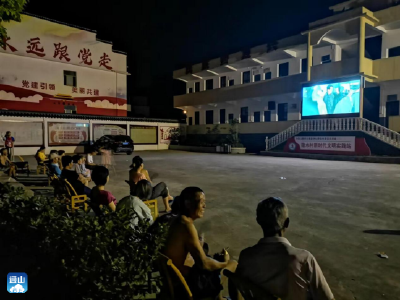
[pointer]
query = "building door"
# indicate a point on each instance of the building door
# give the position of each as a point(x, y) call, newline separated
point(197, 118)
point(209, 117)
point(190, 121)
point(244, 115)
point(267, 116)
point(222, 116)
point(371, 104)
point(257, 116)
point(282, 112)
point(230, 117)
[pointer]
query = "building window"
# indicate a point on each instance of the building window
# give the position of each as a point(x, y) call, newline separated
point(257, 116)
point(222, 116)
point(283, 69)
point(209, 84)
point(282, 112)
point(394, 52)
point(268, 76)
point(230, 117)
point(209, 117)
point(197, 87)
point(304, 65)
point(70, 78)
point(223, 81)
point(190, 121)
point(392, 98)
point(257, 77)
point(231, 82)
point(246, 77)
point(271, 105)
point(244, 114)
point(326, 59)
point(197, 118)
point(190, 90)
point(267, 116)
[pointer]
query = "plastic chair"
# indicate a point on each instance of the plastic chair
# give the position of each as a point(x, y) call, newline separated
point(175, 286)
point(152, 204)
point(249, 290)
point(76, 200)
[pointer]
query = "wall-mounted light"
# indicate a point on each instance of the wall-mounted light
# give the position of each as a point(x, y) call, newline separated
point(230, 67)
point(184, 112)
point(212, 72)
point(258, 61)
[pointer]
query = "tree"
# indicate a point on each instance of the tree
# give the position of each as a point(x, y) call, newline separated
point(10, 10)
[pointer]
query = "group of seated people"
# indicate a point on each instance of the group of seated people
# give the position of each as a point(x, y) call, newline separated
point(79, 170)
point(273, 264)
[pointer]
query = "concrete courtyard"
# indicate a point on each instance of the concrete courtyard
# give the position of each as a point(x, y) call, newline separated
point(342, 212)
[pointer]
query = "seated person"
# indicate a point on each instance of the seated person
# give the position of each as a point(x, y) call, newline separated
point(5, 164)
point(99, 196)
point(54, 166)
point(204, 276)
point(73, 178)
point(160, 190)
point(61, 153)
point(89, 159)
point(41, 156)
point(276, 266)
point(84, 174)
point(142, 192)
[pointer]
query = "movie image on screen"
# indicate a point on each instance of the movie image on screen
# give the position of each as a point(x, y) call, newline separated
point(332, 99)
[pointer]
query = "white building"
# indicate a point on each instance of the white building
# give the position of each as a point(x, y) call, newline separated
point(262, 87)
point(51, 67)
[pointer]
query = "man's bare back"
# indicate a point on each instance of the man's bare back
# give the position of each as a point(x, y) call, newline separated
point(176, 247)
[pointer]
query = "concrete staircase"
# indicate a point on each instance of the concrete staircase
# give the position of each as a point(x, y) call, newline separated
point(340, 124)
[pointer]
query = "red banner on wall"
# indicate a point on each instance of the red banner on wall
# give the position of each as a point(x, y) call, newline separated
point(342, 145)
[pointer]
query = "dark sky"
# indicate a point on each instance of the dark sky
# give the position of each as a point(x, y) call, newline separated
point(162, 35)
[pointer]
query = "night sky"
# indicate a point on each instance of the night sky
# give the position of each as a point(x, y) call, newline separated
point(163, 35)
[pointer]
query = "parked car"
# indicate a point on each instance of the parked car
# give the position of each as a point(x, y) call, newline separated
point(116, 143)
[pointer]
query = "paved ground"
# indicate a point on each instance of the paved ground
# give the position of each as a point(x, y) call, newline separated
point(332, 205)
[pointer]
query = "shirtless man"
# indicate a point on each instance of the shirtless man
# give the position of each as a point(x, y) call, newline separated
point(183, 247)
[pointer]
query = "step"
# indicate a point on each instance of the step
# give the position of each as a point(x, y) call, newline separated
point(368, 159)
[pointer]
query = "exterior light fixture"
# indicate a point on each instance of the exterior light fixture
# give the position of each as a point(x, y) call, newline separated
point(197, 76)
point(230, 67)
point(212, 72)
point(257, 61)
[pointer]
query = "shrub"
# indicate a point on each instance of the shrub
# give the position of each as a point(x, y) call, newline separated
point(94, 257)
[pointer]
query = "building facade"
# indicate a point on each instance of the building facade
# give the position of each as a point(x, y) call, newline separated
point(262, 87)
point(51, 67)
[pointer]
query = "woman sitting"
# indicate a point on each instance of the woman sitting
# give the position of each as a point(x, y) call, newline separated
point(99, 196)
point(41, 156)
point(142, 192)
point(5, 164)
point(138, 173)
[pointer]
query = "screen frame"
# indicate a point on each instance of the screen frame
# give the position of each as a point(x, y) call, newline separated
point(332, 81)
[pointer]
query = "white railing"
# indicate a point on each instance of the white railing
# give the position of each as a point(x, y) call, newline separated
point(340, 124)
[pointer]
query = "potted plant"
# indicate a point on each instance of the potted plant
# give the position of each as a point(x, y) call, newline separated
point(233, 138)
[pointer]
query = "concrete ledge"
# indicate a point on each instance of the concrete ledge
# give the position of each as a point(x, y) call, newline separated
point(368, 159)
point(193, 148)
